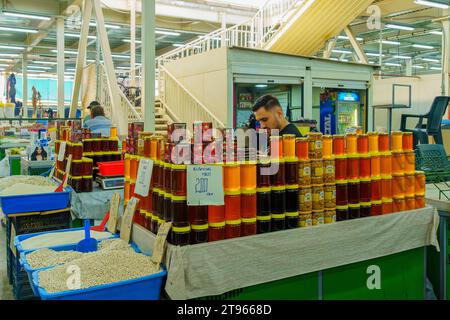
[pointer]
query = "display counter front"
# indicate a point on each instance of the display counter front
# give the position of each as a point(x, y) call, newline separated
point(381, 257)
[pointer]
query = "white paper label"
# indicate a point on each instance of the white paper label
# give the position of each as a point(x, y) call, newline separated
point(144, 176)
point(204, 185)
point(62, 151)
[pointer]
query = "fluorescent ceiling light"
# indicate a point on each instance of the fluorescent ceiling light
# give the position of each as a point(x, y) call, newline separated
point(18, 30)
point(431, 4)
point(129, 41)
point(347, 38)
point(344, 60)
point(403, 57)
point(334, 59)
point(123, 68)
point(436, 68)
point(70, 69)
point(261, 86)
point(5, 60)
point(371, 62)
point(66, 52)
point(120, 56)
point(109, 26)
point(418, 67)
point(4, 65)
point(430, 60)
point(392, 64)
point(45, 62)
point(76, 35)
point(25, 15)
point(374, 54)
point(11, 47)
point(439, 33)
point(168, 33)
point(39, 67)
point(342, 51)
point(178, 45)
point(422, 46)
point(12, 55)
point(396, 43)
point(399, 27)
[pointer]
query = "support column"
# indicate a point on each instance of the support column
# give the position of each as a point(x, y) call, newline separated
point(329, 48)
point(356, 46)
point(133, 43)
point(148, 63)
point(446, 55)
point(25, 83)
point(308, 94)
point(60, 64)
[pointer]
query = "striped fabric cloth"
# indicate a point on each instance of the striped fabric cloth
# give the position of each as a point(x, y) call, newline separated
point(99, 124)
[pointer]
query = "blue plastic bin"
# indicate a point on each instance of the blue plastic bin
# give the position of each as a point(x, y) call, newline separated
point(35, 202)
point(144, 288)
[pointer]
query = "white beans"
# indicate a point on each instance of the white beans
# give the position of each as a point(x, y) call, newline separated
point(60, 238)
point(47, 258)
point(35, 180)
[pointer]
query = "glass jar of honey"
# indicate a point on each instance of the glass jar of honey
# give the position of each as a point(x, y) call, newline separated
point(341, 167)
point(289, 146)
point(248, 204)
point(353, 166)
point(376, 189)
point(327, 146)
point(278, 222)
point(248, 175)
point(302, 148)
point(263, 224)
point(315, 146)
point(410, 203)
point(420, 181)
point(216, 231)
point(292, 220)
point(373, 142)
point(377, 208)
point(232, 205)
point(363, 144)
point(248, 227)
point(304, 172)
point(199, 234)
point(383, 142)
point(179, 211)
point(263, 173)
point(341, 193)
point(278, 200)
point(410, 162)
point(292, 198)
point(354, 191)
point(96, 145)
point(342, 213)
point(354, 211)
point(181, 236)
point(178, 180)
point(409, 185)
point(233, 229)
point(87, 166)
point(386, 187)
point(351, 142)
point(365, 190)
point(76, 168)
point(397, 141)
point(386, 164)
point(263, 197)
point(387, 206)
point(338, 145)
point(364, 166)
point(398, 162)
point(87, 184)
point(291, 172)
point(76, 184)
point(420, 201)
point(77, 151)
point(87, 145)
point(399, 204)
point(365, 209)
point(398, 185)
point(232, 176)
point(279, 178)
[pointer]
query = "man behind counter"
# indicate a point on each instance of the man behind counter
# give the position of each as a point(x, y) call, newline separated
point(268, 112)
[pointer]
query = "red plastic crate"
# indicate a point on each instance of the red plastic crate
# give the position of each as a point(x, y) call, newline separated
point(111, 168)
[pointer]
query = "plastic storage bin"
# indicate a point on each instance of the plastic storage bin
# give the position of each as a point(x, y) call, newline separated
point(112, 168)
point(35, 202)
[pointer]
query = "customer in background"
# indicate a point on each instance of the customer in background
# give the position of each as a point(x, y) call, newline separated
point(269, 113)
point(92, 104)
point(98, 122)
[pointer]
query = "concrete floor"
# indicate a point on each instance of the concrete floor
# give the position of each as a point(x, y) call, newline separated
point(5, 288)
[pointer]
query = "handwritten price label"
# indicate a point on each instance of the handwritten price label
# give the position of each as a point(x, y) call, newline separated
point(143, 177)
point(204, 185)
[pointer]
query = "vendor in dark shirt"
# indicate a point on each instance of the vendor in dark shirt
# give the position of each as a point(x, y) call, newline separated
point(270, 115)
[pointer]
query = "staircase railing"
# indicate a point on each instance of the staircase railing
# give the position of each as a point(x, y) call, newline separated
point(181, 103)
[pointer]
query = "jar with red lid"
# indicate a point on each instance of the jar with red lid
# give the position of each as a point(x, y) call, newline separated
point(232, 205)
point(341, 167)
point(248, 227)
point(216, 231)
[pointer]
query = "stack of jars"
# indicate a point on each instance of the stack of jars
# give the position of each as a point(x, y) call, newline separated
point(101, 150)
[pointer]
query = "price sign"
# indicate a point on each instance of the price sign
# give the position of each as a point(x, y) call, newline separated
point(204, 185)
point(62, 151)
point(144, 176)
point(160, 243)
point(113, 213)
point(127, 220)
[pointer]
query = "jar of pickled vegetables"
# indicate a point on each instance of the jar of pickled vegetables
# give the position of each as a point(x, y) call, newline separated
point(329, 216)
point(304, 172)
point(329, 171)
point(305, 199)
point(315, 145)
point(318, 217)
point(317, 174)
point(318, 197)
point(330, 196)
point(305, 219)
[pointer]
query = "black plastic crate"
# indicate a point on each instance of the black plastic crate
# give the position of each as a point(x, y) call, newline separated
point(23, 290)
point(40, 223)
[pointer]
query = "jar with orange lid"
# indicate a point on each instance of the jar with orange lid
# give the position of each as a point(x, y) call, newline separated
point(318, 197)
point(387, 206)
point(351, 143)
point(364, 165)
point(420, 201)
point(398, 162)
point(263, 173)
point(248, 175)
point(302, 148)
point(279, 177)
point(377, 208)
point(365, 190)
point(276, 147)
point(304, 172)
point(410, 182)
point(327, 146)
point(341, 167)
point(317, 172)
point(354, 211)
point(373, 142)
point(383, 142)
point(420, 181)
point(386, 187)
point(289, 146)
point(375, 165)
point(399, 204)
point(341, 192)
point(398, 185)
point(376, 189)
point(363, 144)
point(339, 144)
point(231, 176)
point(134, 164)
point(330, 196)
point(365, 209)
point(397, 141)
point(318, 217)
point(305, 219)
point(353, 166)
point(126, 190)
point(386, 163)
point(232, 205)
point(329, 216)
point(342, 213)
point(408, 141)
point(410, 162)
point(315, 145)
point(292, 220)
point(305, 199)
point(410, 203)
point(291, 171)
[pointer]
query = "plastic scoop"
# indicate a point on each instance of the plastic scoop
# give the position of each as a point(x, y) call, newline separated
point(102, 225)
point(88, 244)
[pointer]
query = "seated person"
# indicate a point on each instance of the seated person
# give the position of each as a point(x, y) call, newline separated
point(93, 103)
point(98, 122)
